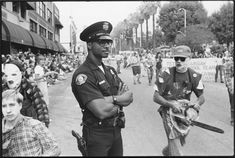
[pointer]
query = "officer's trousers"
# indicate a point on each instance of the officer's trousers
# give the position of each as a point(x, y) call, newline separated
point(103, 141)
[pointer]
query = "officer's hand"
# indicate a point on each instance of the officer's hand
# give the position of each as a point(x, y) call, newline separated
point(125, 99)
point(122, 88)
point(191, 114)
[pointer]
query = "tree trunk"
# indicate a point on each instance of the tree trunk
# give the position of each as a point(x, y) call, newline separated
point(136, 37)
point(154, 32)
point(141, 36)
point(146, 43)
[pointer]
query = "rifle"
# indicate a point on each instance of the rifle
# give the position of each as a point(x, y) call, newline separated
point(81, 143)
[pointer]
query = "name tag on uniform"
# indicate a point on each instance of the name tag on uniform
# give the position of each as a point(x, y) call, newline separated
point(101, 82)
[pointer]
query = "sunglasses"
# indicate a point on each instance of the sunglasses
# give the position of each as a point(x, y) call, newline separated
point(104, 42)
point(180, 58)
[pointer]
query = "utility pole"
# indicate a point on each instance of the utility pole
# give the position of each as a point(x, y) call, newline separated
point(184, 19)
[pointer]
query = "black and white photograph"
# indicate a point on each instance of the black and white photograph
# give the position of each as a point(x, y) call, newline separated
point(117, 78)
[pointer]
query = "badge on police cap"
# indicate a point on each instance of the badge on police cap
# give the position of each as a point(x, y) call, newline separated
point(105, 26)
point(194, 75)
point(81, 78)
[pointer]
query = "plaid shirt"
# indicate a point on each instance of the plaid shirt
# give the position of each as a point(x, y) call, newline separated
point(229, 74)
point(29, 137)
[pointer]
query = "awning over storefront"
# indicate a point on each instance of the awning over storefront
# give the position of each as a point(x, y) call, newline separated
point(50, 44)
point(17, 34)
point(55, 47)
point(61, 48)
point(58, 23)
point(4, 34)
point(38, 41)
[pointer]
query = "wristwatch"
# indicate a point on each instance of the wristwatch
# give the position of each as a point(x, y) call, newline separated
point(114, 100)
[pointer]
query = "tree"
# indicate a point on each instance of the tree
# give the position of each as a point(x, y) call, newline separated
point(195, 37)
point(221, 23)
point(152, 9)
point(172, 20)
point(144, 12)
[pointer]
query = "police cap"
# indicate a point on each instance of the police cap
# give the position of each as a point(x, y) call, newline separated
point(98, 30)
point(182, 51)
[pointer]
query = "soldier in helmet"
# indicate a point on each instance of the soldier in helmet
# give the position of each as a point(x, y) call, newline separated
point(173, 89)
point(101, 94)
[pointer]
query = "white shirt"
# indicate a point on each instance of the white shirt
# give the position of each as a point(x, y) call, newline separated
point(38, 70)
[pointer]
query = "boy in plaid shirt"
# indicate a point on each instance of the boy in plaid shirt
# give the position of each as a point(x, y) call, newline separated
point(21, 135)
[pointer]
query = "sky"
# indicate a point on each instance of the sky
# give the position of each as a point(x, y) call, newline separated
point(86, 13)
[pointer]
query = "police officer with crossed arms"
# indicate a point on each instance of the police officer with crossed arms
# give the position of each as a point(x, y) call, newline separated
point(101, 94)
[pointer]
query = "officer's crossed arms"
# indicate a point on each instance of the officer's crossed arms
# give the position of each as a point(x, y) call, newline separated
point(108, 106)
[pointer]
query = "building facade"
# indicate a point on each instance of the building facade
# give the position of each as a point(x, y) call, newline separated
point(33, 25)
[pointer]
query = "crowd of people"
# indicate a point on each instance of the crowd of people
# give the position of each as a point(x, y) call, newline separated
point(25, 101)
point(101, 94)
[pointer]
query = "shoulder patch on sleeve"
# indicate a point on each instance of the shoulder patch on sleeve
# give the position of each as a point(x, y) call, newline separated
point(81, 78)
point(200, 85)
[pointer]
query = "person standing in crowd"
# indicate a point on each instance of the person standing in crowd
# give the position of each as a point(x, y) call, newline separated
point(135, 65)
point(229, 82)
point(125, 61)
point(33, 104)
point(118, 58)
point(173, 89)
point(21, 135)
point(219, 67)
point(41, 77)
point(101, 94)
point(158, 60)
point(149, 62)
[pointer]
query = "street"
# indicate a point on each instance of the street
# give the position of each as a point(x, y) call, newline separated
point(144, 134)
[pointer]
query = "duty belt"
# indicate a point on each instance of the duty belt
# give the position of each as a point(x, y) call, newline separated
point(102, 123)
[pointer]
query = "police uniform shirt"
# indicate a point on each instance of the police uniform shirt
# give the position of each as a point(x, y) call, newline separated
point(89, 82)
point(182, 87)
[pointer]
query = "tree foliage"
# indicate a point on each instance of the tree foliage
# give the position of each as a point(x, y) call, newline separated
point(172, 20)
point(195, 37)
point(221, 23)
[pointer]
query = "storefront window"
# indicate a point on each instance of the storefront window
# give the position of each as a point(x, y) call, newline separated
point(4, 4)
point(23, 10)
point(16, 6)
point(42, 10)
point(33, 26)
point(42, 31)
point(49, 16)
point(50, 35)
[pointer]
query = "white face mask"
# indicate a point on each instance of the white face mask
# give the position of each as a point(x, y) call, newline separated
point(13, 76)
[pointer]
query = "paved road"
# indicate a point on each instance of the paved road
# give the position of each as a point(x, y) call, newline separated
point(144, 134)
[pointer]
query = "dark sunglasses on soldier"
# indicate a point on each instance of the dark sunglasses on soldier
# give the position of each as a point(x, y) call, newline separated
point(179, 58)
point(103, 42)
